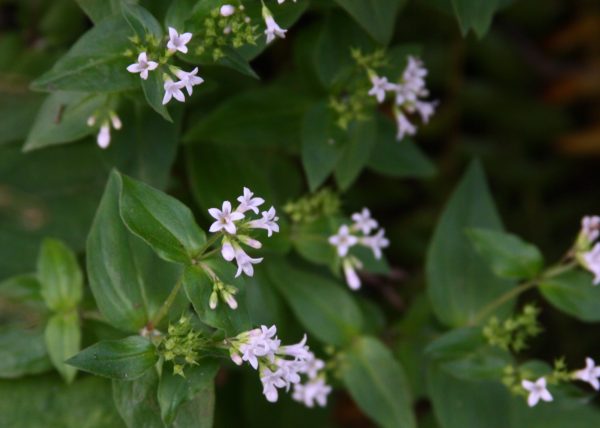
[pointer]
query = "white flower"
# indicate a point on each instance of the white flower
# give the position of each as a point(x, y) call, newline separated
point(312, 366)
point(343, 240)
point(229, 299)
point(314, 390)
point(425, 109)
point(352, 278)
point(225, 218)
point(227, 250)
point(271, 381)
point(178, 42)
point(268, 222)
point(142, 66)
point(248, 202)
point(173, 90)
point(250, 241)
point(537, 390)
point(290, 370)
point(103, 138)
point(589, 374)
point(227, 10)
point(404, 126)
point(363, 221)
point(245, 262)
point(590, 227)
point(300, 350)
point(189, 79)
point(592, 262)
point(260, 343)
point(115, 121)
point(380, 87)
point(376, 242)
point(273, 30)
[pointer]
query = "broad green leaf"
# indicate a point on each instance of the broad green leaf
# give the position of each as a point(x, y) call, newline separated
point(22, 351)
point(198, 287)
point(125, 359)
point(459, 282)
point(376, 16)
point(355, 152)
point(175, 390)
point(377, 383)
point(325, 308)
point(508, 255)
point(63, 119)
point(96, 63)
point(573, 293)
point(197, 412)
point(97, 10)
point(136, 401)
point(59, 274)
point(46, 401)
point(21, 288)
point(154, 92)
point(319, 151)
point(400, 159)
point(310, 240)
point(141, 22)
point(128, 280)
point(476, 15)
point(163, 222)
point(63, 340)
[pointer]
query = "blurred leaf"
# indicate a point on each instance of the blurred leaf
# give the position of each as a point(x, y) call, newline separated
point(60, 276)
point(63, 340)
point(573, 293)
point(142, 22)
point(175, 390)
point(17, 114)
point(125, 359)
point(22, 352)
point(377, 383)
point(95, 63)
point(459, 281)
point(476, 15)
point(136, 401)
point(63, 119)
point(327, 310)
point(310, 240)
point(355, 152)
point(163, 222)
point(21, 288)
point(97, 10)
point(508, 255)
point(154, 92)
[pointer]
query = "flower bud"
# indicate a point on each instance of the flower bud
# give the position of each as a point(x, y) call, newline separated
point(214, 300)
point(227, 10)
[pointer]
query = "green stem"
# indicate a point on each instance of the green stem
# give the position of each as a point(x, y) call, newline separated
point(214, 238)
point(164, 309)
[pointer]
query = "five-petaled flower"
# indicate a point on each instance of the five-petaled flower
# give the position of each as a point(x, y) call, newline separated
point(537, 391)
point(178, 42)
point(225, 218)
point(142, 66)
point(380, 86)
point(343, 240)
point(173, 90)
point(589, 374)
point(249, 202)
point(189, 79)
point(364, 222)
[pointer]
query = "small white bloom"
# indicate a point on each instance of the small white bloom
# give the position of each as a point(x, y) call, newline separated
point(142, 66)
point(271, 381)
point(225, 218)
point(425, 109)
point(537, 390)
point(315, 390)
point(589, 374)
point(227, 250)
point(91, 121)
point(268, 222)
point(380, 86)
point(189, 79)
point(249, 202)
point(343, 240)
point(245, 262)
point(273, 30)
point(404, 126)
point(178, 42)
point(116, 121)
point(376, 242)
point(250, 242)
point(590, 227)
point(103, 138)
point(299, 350)
point(352, 278)
point(227, 10)
point(173, 90)
point(592, 262)
point(230, 300)
point(312, 366)
point(260, 343)
point(364, 222)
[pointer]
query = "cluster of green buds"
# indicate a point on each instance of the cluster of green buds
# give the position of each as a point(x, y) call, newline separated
point(324, 203)
point(181, 345)
point(225, 26)
point(514, 332)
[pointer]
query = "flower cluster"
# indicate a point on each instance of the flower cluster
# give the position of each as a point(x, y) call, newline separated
point(409, 95)
point(103, 138)
point(281, 366)
point(234, 224)
point(587, 247)
point(177, 42)
point(346, 239)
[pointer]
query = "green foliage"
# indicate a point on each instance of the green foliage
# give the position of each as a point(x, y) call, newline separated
point(63, 338)
point(572, 293)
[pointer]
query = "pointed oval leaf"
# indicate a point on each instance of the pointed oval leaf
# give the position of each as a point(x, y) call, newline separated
point(63, 340)
point(574, 294)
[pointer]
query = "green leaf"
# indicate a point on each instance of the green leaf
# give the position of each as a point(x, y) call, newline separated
point(323, 307)
point(377, 383)
point(163, 222)
point(508, 255)
point(459, 282)
point(97, 10)
point(128, 281)
point(319, 152)
point(355, 152)
point(142, 22)
point(573, 293)
point(63, 119)
point(476, 15)
point(234, 60)
point(96, 63)
point(198, 287)
point(63, 340)
point(376, 16)
point(154, 91)
point(175, 390)
point(21, 288)
point(22, 351)
point(136, 401)
point(310, 240)
point(60, 277)
point(125, 359)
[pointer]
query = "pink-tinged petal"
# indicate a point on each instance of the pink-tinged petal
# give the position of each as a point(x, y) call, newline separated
point(172, 33)
point(178, 95)
point(144, 74)
point(185, 37)
point(134, 68)
point(152, 65)
point(230, 228)
point(171, 47)
point(235, 216)
point(226, 208)
point(183, 49)
point(166, 98)
point(595, 383)
point(545, 395)
point(528, 385)
point(142, 57)
point(215, 213)
point(533, 399)
point(215, 227)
